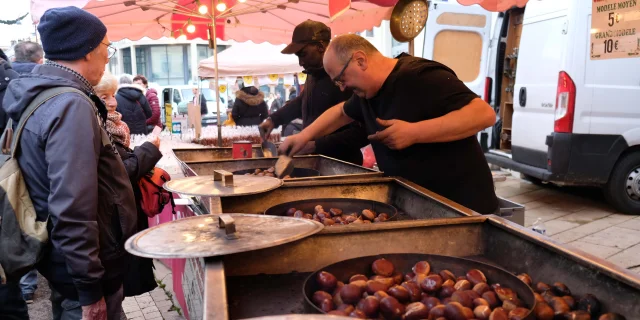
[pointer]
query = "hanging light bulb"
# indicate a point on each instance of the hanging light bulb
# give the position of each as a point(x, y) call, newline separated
point(242, 1)
point(203, 9)
point(182, 36)
point(190, 27)
point(221, 6)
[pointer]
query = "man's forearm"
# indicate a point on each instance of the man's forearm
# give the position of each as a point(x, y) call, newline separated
point(456, 125)
point(331, 120)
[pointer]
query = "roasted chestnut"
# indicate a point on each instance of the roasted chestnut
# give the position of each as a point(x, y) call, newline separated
point(456, 311)
point(430, 302)
point(499, 314)
point(437, 312)
point(350, 293)
point(538, 297)
point(298, 214)
point(570, 301)
point(559, 306)
point(318, 209)
point(518, 313)
point(449, 283)
point(399, 292)
point(335, 212)
point(505, 293)
point(525, 278)
point(482, 312)
point(375, 286)
point(476, 276)
point(308, 216)
point(326, 280)
point(357, 314)
point(326, 305)
point(589, 303)
point(560, 289)
point(421, 267)
point(431, 283)
point(323, 215)
point(543, 311)
point(383, 216)
point(368, 214)
point(257, 171)
point(446, 292)
point(463, 298)
point(380, 295)
point(415, 293)
point(612, 316)
point(481, 288)
point(446, 275)
point(397, 277)
point(346, 308)
point(337, 313)
point(320, 296)
point(509, 305)
point(391, 308)
point(369, 306)
point(351, 219)
point(480, 302)
point(491, 298)
point(577, 315)
point(462, 285)
point(386, 280)
point(291, 211)
point(328, 222)
point(360, 283)
point(382, 267)
point(416, 311)
point(472, 294)
point(542, 287)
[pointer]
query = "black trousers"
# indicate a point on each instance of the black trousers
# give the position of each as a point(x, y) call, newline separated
point(12, 305)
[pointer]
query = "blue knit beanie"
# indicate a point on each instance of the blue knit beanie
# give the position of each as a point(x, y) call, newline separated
point(70, 33)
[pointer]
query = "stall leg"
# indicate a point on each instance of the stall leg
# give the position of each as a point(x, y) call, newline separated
point(215, 290)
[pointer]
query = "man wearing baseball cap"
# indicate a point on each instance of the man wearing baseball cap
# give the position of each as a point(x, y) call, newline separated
point(74, 176)
point(309, 42)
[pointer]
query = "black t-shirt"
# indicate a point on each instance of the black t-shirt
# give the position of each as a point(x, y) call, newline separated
point(418, 89)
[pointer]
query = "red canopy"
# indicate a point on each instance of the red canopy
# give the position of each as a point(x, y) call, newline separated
point(495, 5)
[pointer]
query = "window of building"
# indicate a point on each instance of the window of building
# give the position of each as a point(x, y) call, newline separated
point(169, 64)
point(141, 60)
point(367, 33)
point(461, 51)
point(126, 60)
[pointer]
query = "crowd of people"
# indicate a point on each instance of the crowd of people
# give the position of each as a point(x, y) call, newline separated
point(79, 167)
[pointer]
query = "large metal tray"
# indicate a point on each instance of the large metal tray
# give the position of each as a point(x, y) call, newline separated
point(208, 154)
point(403, 263)
point(329, 168)
point(346, 205)
point(269, 281)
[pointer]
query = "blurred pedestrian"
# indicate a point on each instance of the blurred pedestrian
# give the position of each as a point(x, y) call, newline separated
point(199, 98)
point(133, 105)
point(74, 177)
point(249, 108)
point(139, 278)
point(154, 103)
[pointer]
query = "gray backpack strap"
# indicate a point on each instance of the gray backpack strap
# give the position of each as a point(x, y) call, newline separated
point(40, 99)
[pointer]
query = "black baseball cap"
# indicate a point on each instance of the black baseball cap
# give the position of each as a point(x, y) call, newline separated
point(307, 32)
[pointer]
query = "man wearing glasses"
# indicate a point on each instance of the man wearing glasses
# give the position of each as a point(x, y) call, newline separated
point(309, 43)
point(421, 120)
point(74, 175)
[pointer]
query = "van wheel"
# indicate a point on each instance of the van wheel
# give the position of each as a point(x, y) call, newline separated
point(623, 189)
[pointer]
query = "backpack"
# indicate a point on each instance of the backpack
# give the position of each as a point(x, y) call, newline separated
point(22, 237)
point(154, 196)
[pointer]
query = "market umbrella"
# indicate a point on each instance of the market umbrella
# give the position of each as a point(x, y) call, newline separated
point(495, 5)
point(250, 59)
point(270, 21)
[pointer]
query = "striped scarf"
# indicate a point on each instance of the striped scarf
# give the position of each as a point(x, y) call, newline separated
point(118, 129)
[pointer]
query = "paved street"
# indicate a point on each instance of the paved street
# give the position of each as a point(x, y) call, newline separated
point(579, 217)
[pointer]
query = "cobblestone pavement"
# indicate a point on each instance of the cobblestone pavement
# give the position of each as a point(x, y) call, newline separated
point(579, 217)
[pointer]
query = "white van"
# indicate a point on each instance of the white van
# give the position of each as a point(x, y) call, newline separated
point(181, 95)
point(565, 117)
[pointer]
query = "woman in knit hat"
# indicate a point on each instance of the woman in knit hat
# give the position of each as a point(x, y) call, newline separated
point(139, 277)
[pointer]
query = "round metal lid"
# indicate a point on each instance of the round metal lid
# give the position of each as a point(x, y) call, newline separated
point(222, 184)
point(217, 235)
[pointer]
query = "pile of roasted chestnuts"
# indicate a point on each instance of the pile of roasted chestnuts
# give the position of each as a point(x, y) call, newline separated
point(335, 216)
point(420, 294)
point(556, 302)
point(269, 172)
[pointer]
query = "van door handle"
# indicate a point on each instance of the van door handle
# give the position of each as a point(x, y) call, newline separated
point(523, 97)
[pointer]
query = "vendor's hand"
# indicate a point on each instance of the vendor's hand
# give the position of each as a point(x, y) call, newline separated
point(265, 128)
point(309, 148)
point(397, 135)
point(293, 144)
point(155, 140)
point(96, 311)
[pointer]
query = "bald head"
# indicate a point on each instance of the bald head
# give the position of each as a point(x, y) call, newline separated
point(343, 47)
point(27, 51)
point(353, 63)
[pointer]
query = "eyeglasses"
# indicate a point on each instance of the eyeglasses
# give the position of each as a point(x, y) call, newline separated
point(338, 80)
point(112, 50)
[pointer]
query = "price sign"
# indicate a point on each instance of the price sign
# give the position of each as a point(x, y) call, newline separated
point(615, 29)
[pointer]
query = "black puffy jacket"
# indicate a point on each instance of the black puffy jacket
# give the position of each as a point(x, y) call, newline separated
point(134, 108)
point(249, 109)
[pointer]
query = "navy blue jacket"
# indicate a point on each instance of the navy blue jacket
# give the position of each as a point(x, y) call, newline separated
point(134, 108)
point(23, 67)
point(76, 179)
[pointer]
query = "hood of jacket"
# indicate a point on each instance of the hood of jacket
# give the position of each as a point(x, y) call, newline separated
point(250, 95)
point(24, 67)
point(131, 92)
point(153, 92)
point(23, 90)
